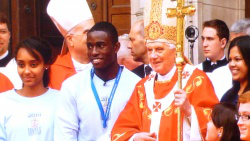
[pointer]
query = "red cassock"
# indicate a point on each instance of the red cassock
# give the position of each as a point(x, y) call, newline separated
point(60, 70)
point(136, 116)
point(5, 83)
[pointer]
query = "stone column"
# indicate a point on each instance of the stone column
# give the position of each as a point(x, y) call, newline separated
point(137, 8)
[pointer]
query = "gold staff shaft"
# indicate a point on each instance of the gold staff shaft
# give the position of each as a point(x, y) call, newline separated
point(179, 64)
point(180, 11)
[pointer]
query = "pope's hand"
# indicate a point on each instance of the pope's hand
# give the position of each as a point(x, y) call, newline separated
point(143, 136)
point(182, 101)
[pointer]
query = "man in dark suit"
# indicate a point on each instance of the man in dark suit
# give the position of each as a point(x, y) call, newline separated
point(138, 49)
point(5, 56)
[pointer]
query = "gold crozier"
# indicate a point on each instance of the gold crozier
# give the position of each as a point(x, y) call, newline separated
point(180, 11)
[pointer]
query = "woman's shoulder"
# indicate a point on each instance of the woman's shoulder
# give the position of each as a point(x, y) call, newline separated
point(6, 94)
point(229, 96)
point(7, 98)
point(53, 92)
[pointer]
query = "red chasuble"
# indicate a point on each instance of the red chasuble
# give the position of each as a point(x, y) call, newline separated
point(136, 116)
point(60, 70)
point(5, 83)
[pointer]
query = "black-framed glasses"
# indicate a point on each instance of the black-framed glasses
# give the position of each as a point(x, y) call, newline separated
point(243, 117)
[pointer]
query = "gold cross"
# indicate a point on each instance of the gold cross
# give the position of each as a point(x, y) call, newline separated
point(180, 11)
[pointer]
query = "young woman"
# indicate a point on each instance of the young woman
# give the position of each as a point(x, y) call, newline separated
point(28, 114)
point(223, 123)
point(239, 63)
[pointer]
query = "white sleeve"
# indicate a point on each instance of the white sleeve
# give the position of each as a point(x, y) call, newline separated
point(133, 137)
point(191, 132)
point(66, 119)
point(3, 136)
point(105, 137)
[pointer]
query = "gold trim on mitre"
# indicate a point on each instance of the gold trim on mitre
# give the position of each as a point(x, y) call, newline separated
point(157, 25)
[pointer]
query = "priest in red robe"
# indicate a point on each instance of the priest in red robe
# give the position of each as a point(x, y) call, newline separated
point(150, 114)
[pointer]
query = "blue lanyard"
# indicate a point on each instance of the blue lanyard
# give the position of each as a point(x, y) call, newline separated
point(105, 115)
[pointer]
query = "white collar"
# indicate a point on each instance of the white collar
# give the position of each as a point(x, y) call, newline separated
point(80, 67)
point(4, 55)
point(216, 61)
point(168, 76)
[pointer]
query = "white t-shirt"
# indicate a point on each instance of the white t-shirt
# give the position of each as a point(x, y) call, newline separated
point(27, 118)
point(78, 116)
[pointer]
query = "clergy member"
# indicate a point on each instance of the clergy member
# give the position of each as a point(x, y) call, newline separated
point(151, 111)
point(73, 19)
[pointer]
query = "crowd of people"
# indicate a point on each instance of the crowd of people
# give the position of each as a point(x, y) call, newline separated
point(93, 92)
